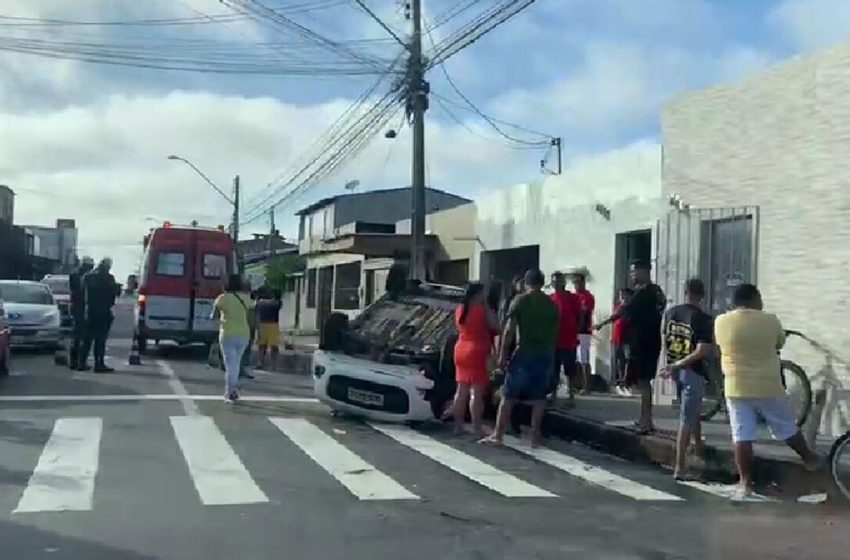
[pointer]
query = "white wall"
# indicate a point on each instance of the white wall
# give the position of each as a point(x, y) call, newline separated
point(558, 214)
point(780, 141)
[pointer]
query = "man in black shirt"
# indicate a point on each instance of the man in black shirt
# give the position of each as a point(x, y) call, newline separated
point(78, 311)
point(100, 291)
point(643, 343)
point(688, 337)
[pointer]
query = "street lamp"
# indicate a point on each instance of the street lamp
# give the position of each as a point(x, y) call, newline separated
point(232, 201)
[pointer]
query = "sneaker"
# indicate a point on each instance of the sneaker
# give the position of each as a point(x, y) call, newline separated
point(747, 496)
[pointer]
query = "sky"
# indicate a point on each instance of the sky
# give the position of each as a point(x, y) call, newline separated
point(90, 141)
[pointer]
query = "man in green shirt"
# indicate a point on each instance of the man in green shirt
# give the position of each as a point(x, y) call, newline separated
point(535, 317)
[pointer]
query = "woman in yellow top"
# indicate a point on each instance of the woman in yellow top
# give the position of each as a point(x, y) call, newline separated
point(233, 309)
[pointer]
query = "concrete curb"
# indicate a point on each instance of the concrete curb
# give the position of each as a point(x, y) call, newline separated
point(786, 478)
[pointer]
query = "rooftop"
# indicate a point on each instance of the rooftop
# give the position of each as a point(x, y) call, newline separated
point(328, 200)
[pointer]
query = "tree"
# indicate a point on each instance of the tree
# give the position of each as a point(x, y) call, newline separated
point(282, 266)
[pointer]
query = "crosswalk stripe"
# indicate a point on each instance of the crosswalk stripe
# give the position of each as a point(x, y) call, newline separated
point(590, 473)
point(362, 479)
point(63, 479)
point(466, 465)
point(219, 476)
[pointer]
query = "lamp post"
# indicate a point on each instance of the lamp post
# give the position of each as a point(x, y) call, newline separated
point(234, 202)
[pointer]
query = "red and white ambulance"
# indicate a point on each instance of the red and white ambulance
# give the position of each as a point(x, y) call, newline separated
point(184, 268)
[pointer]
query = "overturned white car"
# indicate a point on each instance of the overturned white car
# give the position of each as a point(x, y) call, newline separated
point(393, 362)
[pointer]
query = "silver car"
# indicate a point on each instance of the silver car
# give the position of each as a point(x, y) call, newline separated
point(31, 313)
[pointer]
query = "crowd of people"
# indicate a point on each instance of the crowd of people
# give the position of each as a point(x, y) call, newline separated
point(93, 292)
point(535, 338)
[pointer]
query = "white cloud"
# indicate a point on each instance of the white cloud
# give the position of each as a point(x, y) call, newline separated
point(812, 24)
point(105, 164)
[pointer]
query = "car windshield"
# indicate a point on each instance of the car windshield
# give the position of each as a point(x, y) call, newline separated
point(59, 286)
point(25, 293)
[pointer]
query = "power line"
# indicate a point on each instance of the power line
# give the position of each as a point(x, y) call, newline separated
point(380, 22)
point(478, 111)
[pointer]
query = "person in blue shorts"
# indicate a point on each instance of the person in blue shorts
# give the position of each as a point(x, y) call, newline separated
point(687, 338)
point(533, 317)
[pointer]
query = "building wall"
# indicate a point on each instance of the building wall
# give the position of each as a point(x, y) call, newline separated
point(781, 141)
point(454, 228)
point(59, 244)
point(559, 215)
point(7, 205)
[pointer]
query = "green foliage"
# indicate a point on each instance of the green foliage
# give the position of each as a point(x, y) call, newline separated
point(282, 266)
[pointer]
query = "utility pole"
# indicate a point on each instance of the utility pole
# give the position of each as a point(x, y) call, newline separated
point(417, 91)
point(272, 236)
point(235, 230)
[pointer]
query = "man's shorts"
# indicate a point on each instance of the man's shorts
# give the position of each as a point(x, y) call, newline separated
point(744, 413)
point(641, 361)
point(690, 387)
point(584, 348)
point(268, 334)
point(528, 377)
point(565, 360)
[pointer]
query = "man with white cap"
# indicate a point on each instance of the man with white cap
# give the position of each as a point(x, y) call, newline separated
point(78, 310)
point(100, 288)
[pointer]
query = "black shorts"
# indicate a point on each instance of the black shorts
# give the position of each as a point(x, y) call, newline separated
point(641, 361)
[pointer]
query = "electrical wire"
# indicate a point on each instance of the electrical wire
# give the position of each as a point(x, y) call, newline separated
point(479, 112)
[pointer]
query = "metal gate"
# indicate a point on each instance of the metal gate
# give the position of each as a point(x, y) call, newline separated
point(717, 245)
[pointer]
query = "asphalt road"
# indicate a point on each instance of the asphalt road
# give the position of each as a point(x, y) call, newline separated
point(148, 462)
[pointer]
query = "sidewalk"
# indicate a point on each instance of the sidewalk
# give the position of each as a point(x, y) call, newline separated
point(605, 422)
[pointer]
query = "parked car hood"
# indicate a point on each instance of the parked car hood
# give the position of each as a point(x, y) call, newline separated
point(27, 313)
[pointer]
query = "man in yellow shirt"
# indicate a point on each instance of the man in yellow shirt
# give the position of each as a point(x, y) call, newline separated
point(749, 340)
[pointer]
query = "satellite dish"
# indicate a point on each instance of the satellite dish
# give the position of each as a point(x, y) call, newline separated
point(352, 185)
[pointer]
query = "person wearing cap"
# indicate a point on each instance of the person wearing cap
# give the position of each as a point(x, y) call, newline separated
point(78, 311)
point(100, 292)
point(643, 313)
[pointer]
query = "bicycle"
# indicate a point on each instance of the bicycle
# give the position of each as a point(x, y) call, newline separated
point(839, 465)
point(799, 393)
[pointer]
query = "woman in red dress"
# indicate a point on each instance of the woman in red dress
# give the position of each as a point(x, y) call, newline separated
point(476, 324)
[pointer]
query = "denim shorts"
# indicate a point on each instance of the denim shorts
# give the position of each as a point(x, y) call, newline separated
point(690, 386)
point(528, 377)
point(776, 411)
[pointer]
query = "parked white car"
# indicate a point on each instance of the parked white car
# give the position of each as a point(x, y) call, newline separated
point(393, 362)
point(31, 313)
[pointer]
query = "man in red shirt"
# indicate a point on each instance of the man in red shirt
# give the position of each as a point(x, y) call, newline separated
point(585, 328)
point(569, 313)
point(619, 336)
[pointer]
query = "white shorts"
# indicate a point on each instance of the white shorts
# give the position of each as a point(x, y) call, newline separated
point(743, 418)
point(583, 354)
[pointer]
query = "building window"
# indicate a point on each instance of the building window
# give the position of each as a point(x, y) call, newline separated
point(347, 286)
point(311, 288)
point(215, 266)
point(171, 264)
point(317, 224)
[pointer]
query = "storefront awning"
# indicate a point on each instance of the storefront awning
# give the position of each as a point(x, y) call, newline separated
point(375, 244)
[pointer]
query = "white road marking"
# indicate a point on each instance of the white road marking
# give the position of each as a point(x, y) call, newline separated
point(722, 490)
point(189, 406)
point(63, 479)
point(219, 476)
point(813, 499)
point(590, 473)
point(153, 397)
point(362, 479)
point(466, 465)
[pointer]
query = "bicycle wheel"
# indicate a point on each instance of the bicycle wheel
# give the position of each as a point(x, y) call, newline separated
point(839, 465)
point(799, 390)
point(713, 400)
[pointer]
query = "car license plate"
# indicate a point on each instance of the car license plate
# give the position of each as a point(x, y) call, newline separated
point(365, 397)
